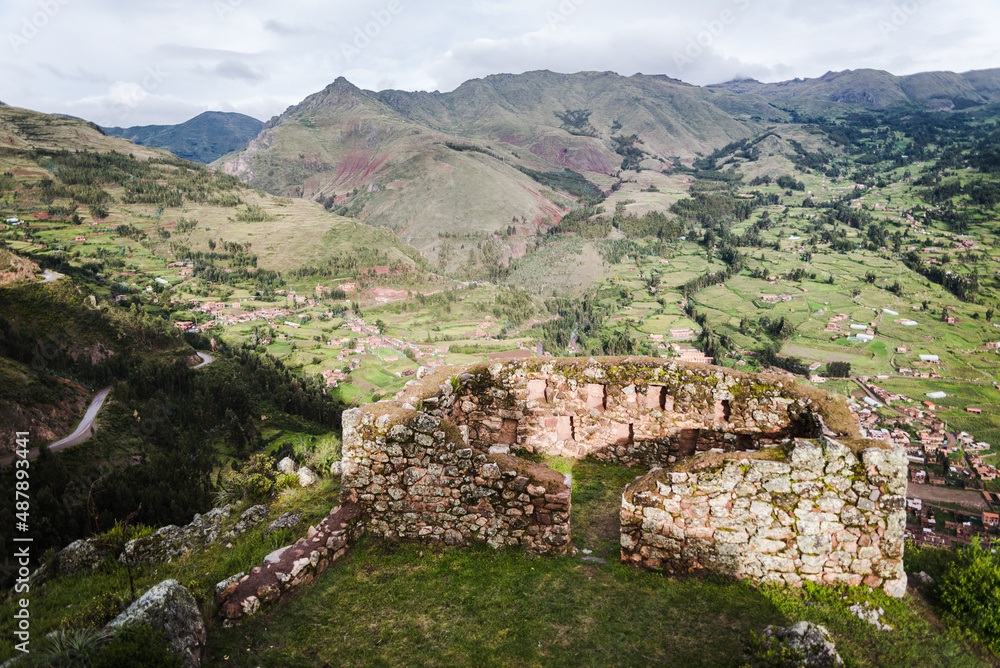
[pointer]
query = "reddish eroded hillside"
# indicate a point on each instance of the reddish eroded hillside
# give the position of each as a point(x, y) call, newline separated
point(14, 268)
point(582, 155)
point(357, 167)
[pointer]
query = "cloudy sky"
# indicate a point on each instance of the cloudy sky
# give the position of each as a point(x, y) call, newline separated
point(138, 62)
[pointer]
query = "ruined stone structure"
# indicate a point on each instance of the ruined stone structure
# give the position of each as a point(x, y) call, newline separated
point(752, 476)
point(819, 513)
point(246, 594)
point(416, 478)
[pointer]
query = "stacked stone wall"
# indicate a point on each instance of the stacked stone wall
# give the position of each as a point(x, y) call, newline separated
point(760, 486)
point(638, 412)
point(821, 514)
point(418, 479)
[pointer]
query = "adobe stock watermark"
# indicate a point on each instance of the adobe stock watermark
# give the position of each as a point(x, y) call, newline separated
point(713, 30)
point(22, 544)
point(130, 95)
point(225, 7)
point(563, 12)
point(899, 17)
point(33, 23)
point(365, 35)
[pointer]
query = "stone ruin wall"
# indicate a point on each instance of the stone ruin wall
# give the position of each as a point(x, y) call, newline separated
point(637, 412)
point(439, 464)
point(418, 478)
point(820, 513)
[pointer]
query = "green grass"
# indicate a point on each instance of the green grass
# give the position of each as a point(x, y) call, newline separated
point(70, 601)
point(412, 605)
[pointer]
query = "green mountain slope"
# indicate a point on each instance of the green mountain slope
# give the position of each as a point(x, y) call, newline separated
point(430, 165)
point(120, 183)
point(203, 139)
point(877, 89)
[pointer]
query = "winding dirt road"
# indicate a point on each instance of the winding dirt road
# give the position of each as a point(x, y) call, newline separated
point(86, 427)
point(206, 359)
point(79, 435)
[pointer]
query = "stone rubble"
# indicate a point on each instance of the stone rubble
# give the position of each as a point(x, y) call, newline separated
point(866, 613)
point(810, 641)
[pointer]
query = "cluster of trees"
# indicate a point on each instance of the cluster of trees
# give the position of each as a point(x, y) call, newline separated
point(789, 183)
point(577, 122)
point(569, 181)
point(160, 431)
point(965, 587)
point(513, 306)
point(578, 321)
point(653, 224)
point(965, 287)
point(711, 209)
point(628, 148)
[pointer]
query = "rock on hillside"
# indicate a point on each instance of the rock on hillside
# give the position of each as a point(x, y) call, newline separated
point(809, 642)
point(171, 542)
point(170, 608)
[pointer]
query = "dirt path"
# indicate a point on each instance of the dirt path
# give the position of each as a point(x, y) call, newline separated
point(87, 425)
point(79, 435)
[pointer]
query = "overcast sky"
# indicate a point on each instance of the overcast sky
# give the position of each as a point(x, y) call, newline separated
point(139, 62)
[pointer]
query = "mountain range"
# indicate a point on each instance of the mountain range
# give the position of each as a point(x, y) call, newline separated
point(204, 138)
point(880, 90)
point(472, 160)
point(495, 151)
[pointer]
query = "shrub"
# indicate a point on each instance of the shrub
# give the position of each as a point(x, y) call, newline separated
point(326, 452)
point(102, 609)
point(969, 592)
point(256, 478)
point(286, 481)
point(68, 649)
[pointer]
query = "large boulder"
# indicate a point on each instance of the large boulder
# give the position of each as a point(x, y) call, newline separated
point(811, 644)
point(170, 608)
point(79, 556)
point(286, 466)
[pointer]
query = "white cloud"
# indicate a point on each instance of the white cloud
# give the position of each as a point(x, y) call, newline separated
point(85, 58)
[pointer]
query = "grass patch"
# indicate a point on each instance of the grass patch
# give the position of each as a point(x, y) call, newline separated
point(411, 605)
point(74, 601)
